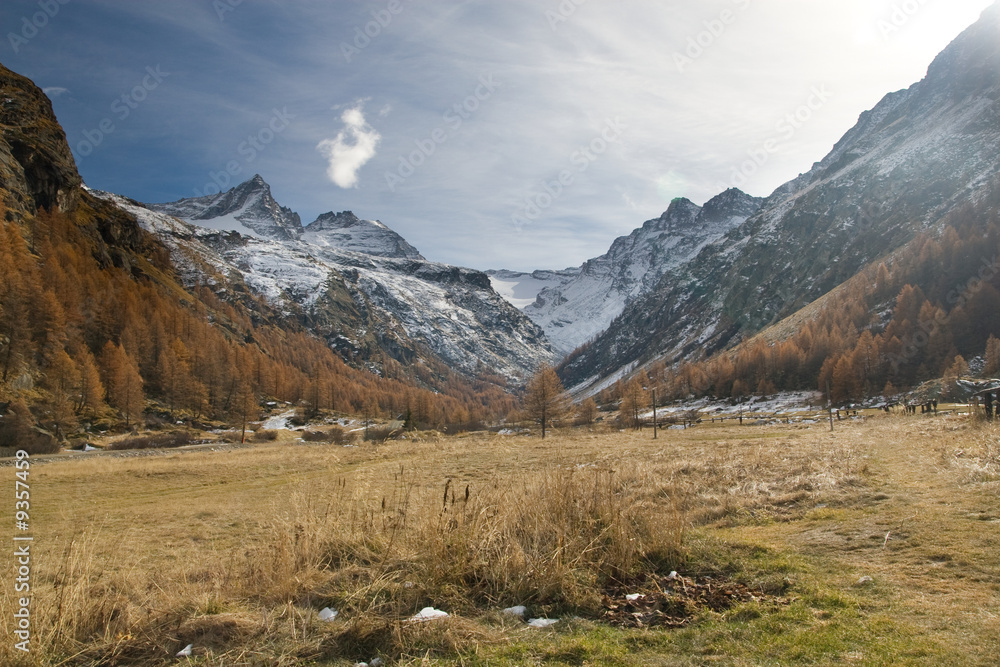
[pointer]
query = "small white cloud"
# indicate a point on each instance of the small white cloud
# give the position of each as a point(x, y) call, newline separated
point(55, 91)
point(384, 111)
point(353, 146)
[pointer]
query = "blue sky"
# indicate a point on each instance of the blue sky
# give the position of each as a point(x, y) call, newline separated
point(517, 134)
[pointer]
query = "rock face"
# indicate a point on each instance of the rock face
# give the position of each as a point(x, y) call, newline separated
point(919, 154)
point(345, 230)
point(247, 208)
point(356, 282)
point(581, 304)
point(37, 169)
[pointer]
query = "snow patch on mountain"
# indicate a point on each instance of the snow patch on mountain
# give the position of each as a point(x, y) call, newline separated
point(521, 289)
point(577, 307)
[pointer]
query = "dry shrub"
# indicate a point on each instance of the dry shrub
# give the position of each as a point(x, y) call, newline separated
point(336, 434)
point(552, 538)
point(341, 436)
point(555, 539)
point(265, 435)
point(157, 441)
point(380, 434)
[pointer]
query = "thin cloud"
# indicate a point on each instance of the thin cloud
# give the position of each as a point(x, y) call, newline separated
point(55, 91)
point(350, 149)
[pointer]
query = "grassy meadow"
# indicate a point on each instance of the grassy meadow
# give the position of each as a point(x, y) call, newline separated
point(877, 544)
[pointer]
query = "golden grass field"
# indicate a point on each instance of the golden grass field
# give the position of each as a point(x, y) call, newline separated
point(235, 550)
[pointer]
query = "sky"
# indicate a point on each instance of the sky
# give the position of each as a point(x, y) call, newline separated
point(523, 134)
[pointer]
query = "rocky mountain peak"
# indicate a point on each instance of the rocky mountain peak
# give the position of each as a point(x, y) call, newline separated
point(37, 168)
point(347, 231)
point(249, 208)
point(329, 221)
point(731, 203)
point(972, 61)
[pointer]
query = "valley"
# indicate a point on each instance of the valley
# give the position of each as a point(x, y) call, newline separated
point(239, 549)
point(254, 441)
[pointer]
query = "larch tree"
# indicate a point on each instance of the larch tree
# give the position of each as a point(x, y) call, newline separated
point(992, 356)
point(545, 400)
point(586, 412)
point(91, 389)
point(123, 382)
point(633, 403)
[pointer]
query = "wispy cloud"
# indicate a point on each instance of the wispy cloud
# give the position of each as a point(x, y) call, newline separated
point(353, 146)
point(55, 91)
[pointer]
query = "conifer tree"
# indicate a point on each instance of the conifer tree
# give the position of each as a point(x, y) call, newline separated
point(545, 400)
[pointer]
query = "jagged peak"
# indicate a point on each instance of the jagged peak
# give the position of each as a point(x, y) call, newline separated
point(348, 231)
point(731, 202)
point(331, 220)
point(679, 206)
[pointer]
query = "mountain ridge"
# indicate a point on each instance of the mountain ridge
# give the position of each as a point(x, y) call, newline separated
point(403, 303)
point(574, 307)
point(915, 156)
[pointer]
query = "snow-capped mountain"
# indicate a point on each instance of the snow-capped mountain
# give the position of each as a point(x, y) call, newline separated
point(247, 208)
point(356, 282)
point(348, 232)
point(574, 306)
point(918, 155)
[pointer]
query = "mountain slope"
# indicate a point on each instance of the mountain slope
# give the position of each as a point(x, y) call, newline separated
point(402, 304)
point(917, 155)
point(575, 310)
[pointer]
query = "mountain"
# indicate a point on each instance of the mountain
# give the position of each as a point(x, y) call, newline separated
point(247, 208)
point(346, 231)
point(356, 283)
point(106, 322)
point(574, 305)
point(920, 154)
point(574, 310)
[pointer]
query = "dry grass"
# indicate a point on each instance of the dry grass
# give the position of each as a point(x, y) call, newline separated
point(236, 551)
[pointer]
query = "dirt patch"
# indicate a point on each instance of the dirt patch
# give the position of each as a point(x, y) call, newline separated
point(674, 601)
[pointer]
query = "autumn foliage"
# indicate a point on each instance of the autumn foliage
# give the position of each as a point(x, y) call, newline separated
point(916, 315)
point(93, 333)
